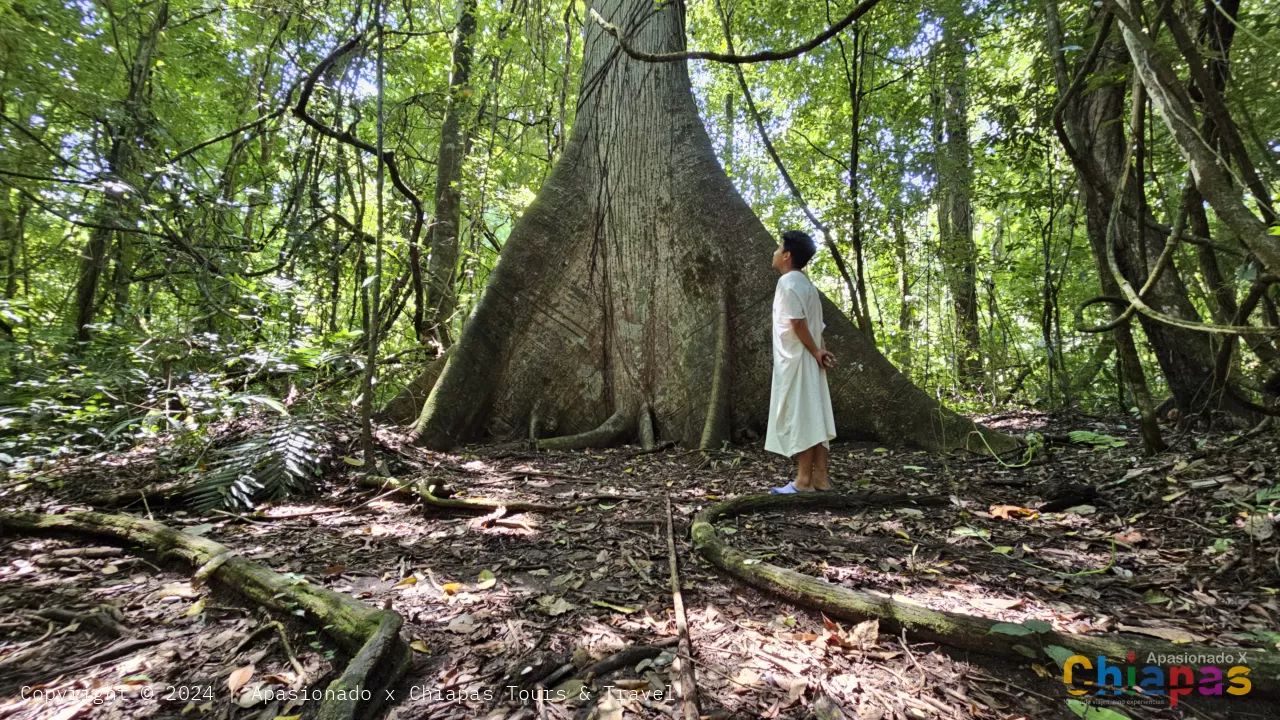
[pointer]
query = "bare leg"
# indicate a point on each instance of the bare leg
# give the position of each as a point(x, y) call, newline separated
point(820, 481)
point(804, 474)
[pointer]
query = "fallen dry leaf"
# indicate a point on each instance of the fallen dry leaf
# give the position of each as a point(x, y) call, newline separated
point(866, 633)
point(462, 624)
point(995, 603)
point(239, 677)
point(1132, 537)
point(1012, 512)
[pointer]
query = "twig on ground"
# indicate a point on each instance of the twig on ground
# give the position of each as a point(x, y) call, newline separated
point(120, 649)
point(688, 686)
point(284, 641)
point(28, 649)
point(924, 674)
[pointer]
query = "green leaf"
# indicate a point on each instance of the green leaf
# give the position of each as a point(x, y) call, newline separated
point(1025, 651)
point(271, 464)
point(1038, 626)
point(1098, 440)
point(1011, 629)
point(1059, 654)
point(619, 608)
point(270, 402)
point(1154, 597)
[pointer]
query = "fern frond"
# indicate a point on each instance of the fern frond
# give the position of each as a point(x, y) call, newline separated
point(267, 466)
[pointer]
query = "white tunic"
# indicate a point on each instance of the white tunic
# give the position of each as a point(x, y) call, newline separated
point(800, 402)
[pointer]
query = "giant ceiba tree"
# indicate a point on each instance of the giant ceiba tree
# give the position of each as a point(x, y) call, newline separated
point(633, 297)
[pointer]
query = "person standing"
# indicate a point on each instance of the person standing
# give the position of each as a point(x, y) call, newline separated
point(801, 424)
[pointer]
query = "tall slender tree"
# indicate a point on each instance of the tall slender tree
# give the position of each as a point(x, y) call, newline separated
point(442, 238)
point(955, 190)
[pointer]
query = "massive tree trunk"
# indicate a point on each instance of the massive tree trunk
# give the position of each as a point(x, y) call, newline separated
point(955, 209)
point(604, 310)
point(442, 238)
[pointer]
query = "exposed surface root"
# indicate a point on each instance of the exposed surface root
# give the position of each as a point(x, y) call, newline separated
point(427, 493)
point(610, 433)
point(648, 440)
point(716, 427)
point(371, 635)
point(955, 629)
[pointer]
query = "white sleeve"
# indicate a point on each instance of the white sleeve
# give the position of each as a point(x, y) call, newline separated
point(790, 306)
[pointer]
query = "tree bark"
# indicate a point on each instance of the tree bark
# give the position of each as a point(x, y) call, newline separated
point(606, 295)
point(1207, 87)
point(10, 242)
point(955, 210)
point(855, 77)
point(906, 309)
point(442, 238)
point(405, 406)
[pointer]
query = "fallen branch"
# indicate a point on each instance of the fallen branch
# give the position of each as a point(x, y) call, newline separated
point(157, 495)
point(371, 635)
point(955, 629)
point(688, 686)
point(104, 619)
point(628, 657)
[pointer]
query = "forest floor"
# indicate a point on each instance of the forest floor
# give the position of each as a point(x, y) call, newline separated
point(1150, 545)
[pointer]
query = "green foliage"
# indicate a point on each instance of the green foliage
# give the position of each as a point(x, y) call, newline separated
point(1098, 440)
point(1011, 629)
point(1090, 712)
point(267, 465)
point(245, 255)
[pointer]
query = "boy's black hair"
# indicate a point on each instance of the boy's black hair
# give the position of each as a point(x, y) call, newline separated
point(801, 247)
